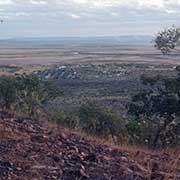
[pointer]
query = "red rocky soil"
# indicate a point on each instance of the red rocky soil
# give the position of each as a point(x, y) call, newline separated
point(31, 150)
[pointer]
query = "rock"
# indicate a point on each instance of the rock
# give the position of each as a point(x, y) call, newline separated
point(56, 158)
point(40, 167)
point(133, 177)
point(124, 159)
point(155, 166)
point(91, 157)
point(107, 158)
point(138, 168)
point(76, 157)
point(116, 152)
point(63, 135)
point(137, 153)
point(75, 149)
point(5, 168)
point(56, 154)
point(83, 174)
point(126, 170)
point(39, 138)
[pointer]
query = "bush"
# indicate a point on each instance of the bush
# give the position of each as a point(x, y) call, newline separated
point(66, 120)
point(100, 121)
point(134, 131)
point(140, 131)
point(26, 93)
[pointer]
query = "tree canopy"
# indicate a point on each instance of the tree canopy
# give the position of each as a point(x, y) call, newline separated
point(159, 105)
point(168, 39)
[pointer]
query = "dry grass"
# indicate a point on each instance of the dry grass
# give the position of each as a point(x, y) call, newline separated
point(168, 159)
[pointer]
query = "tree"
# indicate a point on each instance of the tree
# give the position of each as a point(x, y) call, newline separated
point(7, 92)
point(34, 93)
point(168, 39)
point(159, 104)
point(26, 92)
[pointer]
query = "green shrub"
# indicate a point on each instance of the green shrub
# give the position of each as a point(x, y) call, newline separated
point(64, 119)
point(26, 93)
point(8, 92)
point(100, 121)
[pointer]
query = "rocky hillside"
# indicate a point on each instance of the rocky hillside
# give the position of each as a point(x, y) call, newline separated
point(31, 150)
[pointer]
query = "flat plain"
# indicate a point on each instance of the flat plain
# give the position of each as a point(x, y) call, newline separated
point(106, 73)
point(30, 53)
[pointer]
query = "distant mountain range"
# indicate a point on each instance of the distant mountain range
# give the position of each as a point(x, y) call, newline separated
point(110, 40)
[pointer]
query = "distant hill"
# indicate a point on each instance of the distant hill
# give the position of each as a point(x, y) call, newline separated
point(101, 41)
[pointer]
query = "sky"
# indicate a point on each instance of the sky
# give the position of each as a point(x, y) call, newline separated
point(59, 18)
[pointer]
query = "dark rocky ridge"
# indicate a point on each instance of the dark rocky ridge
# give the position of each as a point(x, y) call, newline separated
point(31, 150)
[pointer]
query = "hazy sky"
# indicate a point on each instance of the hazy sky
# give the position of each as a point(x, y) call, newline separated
point(35, 18)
